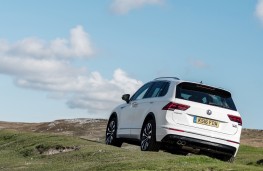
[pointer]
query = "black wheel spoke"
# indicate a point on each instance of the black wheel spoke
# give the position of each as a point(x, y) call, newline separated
point(148, 142)
point(110, 132)
point(146, 136)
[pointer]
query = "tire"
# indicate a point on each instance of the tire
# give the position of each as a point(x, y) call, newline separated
point(227, 158)
point(111, 131)
point(230, 159)
point(148, 137)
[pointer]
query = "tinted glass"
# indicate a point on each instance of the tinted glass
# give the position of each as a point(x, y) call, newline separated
point(141, 92)
point(158, 89)
point(205, 94)
point(164, 89)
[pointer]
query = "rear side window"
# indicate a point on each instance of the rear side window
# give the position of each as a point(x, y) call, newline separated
point(205, 94)
point(158, 89)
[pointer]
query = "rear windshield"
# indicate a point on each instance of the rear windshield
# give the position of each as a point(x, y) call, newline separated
point(205, 94)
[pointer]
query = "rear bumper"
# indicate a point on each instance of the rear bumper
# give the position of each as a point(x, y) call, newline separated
point(203, 145)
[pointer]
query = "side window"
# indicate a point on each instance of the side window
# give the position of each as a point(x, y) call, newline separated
point(164, 89)
point(141, 92)
point(158, 89)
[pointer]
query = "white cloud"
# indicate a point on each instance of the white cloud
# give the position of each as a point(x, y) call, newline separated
point(125, 6)
point(104, 94)
point(35, 64)
point(259, 10)
point(78, 46)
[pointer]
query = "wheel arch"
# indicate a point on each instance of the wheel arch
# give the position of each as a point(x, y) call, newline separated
point(113, 115)
point(155, 146)
point(150, 116)
point(115, 140)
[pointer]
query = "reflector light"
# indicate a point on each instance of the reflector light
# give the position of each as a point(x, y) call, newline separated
point(233, 142)
point(173, 106)
point(178, 130)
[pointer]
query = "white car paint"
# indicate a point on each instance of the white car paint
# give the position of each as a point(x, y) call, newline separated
point(131, 117)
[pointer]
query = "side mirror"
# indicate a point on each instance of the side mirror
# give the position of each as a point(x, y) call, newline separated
point(126, 98)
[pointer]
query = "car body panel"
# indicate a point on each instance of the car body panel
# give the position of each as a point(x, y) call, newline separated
point(131, 117)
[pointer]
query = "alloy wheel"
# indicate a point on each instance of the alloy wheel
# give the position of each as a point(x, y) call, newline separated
point(146, 136)
point(110, 132)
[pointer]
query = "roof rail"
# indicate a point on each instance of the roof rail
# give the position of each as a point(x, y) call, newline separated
point(167, 77)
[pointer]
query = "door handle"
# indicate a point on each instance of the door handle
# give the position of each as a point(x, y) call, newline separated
point(134, 104)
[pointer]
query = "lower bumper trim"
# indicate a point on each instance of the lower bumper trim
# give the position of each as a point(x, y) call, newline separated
point(203, 145)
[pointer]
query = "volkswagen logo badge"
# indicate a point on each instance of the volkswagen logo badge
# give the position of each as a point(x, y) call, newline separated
point(209, 112)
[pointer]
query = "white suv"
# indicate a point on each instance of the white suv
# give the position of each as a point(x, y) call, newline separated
point(169, 112)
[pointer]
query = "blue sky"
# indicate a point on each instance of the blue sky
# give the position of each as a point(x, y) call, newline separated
point(71, 59)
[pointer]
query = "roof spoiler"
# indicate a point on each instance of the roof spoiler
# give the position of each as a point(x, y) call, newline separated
point(167, 77)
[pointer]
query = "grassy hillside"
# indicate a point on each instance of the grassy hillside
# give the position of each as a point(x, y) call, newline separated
point(43, 151)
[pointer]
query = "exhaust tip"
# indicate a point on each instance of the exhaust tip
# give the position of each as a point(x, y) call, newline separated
point(182, 143)
point(179, 142)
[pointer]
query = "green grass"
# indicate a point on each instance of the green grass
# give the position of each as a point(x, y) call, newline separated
point(21, 151)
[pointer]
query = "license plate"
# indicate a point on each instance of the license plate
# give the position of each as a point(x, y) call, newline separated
point(205, 121)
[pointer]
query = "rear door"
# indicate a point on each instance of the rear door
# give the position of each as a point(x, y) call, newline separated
point(209, 108)
point(129, 112)
point(145, 105)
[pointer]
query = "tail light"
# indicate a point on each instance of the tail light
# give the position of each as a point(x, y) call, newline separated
point(173, 106)
point(235, 119)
